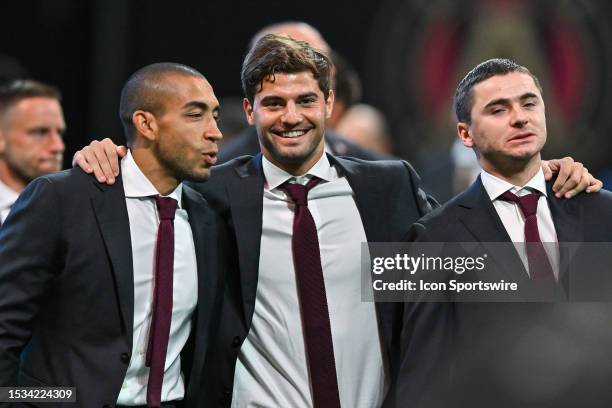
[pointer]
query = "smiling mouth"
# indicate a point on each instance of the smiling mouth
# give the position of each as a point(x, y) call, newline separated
point(290, 134)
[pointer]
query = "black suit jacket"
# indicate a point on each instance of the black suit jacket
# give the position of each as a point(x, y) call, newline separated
point(67, 288)
point(388, 199)
point(246, 143)
point(528, 354)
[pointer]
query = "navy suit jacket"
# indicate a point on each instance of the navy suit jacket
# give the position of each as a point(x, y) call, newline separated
point(554, 354)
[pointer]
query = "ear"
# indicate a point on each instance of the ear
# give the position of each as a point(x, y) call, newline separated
point(329, 104)
point(145, 124)
point(463, 132)
point(248, 111)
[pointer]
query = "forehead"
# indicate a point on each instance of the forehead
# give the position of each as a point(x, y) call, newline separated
point(182, 89)
point(509, 86)
point(288, 85)
point(35, 109)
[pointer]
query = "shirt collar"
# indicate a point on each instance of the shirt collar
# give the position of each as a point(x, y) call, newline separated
point(275, 176)
point(137, 185)
point(7, 196)
point(496, 186)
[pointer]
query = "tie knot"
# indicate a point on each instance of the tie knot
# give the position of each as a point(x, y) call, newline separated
point(527, 203)
point(298, 192)
point(166, 207)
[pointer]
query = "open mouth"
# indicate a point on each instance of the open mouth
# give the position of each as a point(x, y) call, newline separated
point(210, 158)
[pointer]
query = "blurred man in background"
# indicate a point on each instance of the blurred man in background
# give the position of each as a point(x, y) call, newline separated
point(31, 129)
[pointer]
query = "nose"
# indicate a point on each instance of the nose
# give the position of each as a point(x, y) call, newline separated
point(291, 115)
point(212, 131)
point(56, 142)
point(518, 118)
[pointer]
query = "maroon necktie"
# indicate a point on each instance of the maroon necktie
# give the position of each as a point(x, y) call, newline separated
point(313, 301)
point(162, 299)
point(539, 265)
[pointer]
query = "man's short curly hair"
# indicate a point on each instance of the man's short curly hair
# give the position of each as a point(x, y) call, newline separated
point(273, 54)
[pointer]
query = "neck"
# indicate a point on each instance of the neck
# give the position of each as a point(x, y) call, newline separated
point(163, 181)
point(296, 168)
point(515, 172)
point(11, 179)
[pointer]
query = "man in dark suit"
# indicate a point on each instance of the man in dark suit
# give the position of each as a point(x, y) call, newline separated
point(264, 355)
point(524, 354)
point(95, 295)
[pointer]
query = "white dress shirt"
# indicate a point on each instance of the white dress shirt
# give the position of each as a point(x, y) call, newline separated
point(7, 199)
point(144, 221)
point(514, 221)
point(272, 365)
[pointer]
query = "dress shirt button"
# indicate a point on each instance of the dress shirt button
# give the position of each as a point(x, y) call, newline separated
point(237, 341)
point(125, 357)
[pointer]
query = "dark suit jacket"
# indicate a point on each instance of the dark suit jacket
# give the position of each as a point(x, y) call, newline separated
point(246, 143)
point(67, 288)
point(528, 354)
point(388, 199)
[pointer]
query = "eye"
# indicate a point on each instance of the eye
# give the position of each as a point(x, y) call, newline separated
point(39, 132)
point(194, 115)
point(529, 104)
point(497, 111)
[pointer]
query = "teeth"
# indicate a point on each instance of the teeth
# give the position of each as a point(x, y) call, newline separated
point(293, 133)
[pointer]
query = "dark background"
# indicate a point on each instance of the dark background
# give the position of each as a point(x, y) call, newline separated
point(89, 48)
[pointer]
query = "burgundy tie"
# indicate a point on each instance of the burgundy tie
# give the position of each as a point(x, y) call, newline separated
point(162, 299)
point(313, 301)
point(539, 265)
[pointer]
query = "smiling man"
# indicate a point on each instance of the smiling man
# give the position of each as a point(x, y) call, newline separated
point(31, 129)
point(294, 329)
point(113, 289)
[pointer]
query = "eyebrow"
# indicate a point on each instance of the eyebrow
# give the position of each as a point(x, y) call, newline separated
point(506, 101)
point(203, 106)
point(275, 98)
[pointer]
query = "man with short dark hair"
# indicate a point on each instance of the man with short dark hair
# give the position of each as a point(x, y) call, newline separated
point(523, 354)
point(31, 129)
point(115, 289)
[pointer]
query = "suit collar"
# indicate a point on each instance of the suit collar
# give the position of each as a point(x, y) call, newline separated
point(478, 216)
point(202, 222)
point(495, 186)
point(245, 194)
point(368, 192)
point(112, 217)
point(567, 216)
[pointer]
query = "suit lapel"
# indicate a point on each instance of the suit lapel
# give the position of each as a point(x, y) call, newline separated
point(113, 221)
point(246, 200)
point(202, 222)
point(567, 217)
point(368, 192)
point(479, 217)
